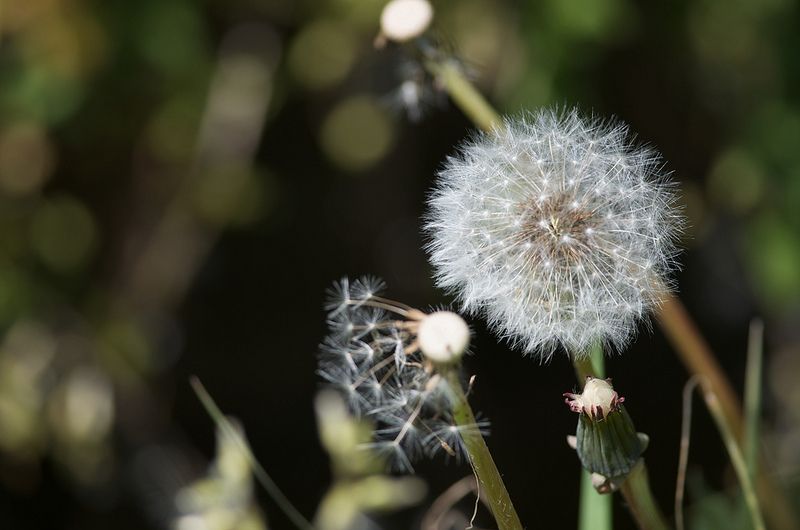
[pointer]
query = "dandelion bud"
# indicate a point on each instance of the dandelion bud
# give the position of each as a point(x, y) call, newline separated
point(607, 442)
point(557, 229)
point(597, 400)
point(403, 20)
point(443, 336)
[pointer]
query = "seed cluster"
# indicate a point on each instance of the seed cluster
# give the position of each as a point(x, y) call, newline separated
point(374, 354)
point(556, 229)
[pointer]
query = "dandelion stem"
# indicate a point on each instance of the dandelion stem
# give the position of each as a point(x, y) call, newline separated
point(492, 483)
point(590, 366)
point(465, 95)
point(698, 358)
point(594, 510)
point(637, 493)
point(636, 488)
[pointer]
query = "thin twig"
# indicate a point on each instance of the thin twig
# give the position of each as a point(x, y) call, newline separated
point(752, 395)
point(444, 503)
point(683, 457)
point(692, 349)
point(732, 446)
point(258, 471)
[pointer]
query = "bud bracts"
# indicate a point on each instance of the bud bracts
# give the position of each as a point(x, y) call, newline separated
point(606, 441)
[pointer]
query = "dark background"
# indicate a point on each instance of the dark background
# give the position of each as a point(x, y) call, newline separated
point(181, 181)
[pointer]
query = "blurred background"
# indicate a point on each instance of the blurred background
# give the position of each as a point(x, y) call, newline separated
point(181, 181)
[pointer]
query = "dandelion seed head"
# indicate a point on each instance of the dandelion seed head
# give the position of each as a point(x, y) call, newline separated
point(385, 358)
point(580, 253)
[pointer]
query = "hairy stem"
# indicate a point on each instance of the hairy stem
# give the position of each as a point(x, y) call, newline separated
point(492, 483)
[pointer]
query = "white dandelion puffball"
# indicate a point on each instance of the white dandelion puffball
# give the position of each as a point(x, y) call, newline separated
point(403, 20)
point(443, 336)
point(556, 228)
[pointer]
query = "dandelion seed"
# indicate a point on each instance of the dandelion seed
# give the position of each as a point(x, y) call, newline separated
point(385, 358)
point(582, 253)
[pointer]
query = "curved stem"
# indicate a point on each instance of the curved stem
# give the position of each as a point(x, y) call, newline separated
point(693, 351)
point(696, 355)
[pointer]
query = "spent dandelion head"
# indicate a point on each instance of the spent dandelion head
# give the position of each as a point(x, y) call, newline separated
point(557, 228)
point(388, 359)
point(403, 20)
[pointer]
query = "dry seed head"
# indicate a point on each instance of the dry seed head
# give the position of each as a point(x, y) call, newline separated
point(557, 229)
point(386, 359)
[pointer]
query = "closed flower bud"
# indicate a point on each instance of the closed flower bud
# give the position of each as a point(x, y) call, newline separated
point(606, 441)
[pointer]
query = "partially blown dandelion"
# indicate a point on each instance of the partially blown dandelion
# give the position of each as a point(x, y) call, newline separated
point(390, 361)
point(556, 228)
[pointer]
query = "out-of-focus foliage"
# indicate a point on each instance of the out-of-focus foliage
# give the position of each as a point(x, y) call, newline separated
point(128, 136)
point(136, 136)
point(359, 486)
point(224, 498)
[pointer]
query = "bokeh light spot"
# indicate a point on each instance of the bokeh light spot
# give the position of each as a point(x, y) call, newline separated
point(773, 255)
point(27, 158)
point(356, 134)
point(322, 54)
point(736, 181)
point(63, 234)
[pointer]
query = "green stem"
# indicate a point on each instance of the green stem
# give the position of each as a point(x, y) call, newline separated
point(641, 503)
point(594, 365)
point(699, 360)
point(735, 454)
point(636, 488)
point(752, 396)
point(492, 483)
point(595, 511)
point(258, 471)
point(465, 95)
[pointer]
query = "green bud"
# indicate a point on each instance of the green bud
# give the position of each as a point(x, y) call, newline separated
point(606, 441)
